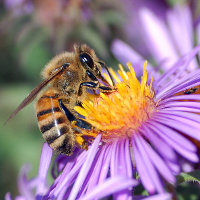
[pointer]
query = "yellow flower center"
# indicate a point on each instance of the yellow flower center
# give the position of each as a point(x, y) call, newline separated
point(120, 113)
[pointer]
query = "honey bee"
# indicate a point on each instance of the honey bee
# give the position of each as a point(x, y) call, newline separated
point(68, 75)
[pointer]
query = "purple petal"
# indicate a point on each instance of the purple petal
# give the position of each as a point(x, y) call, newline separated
point(163, 132)
point(180, 106)
point(67, 176)
point(128, 160)
point(180, 114)
point(96, 169)
point(20, 198)
point(180, 24)
point(45, 161)
point(158, 162)
point(149, 165)
point(180, 97)
point(183, 109)
point(141, 168)
point(110, 186)
point(166, 151)
point(184, 125)
point(105, 166)
point(58, 165)
point(120, 168)
point(121, 165)
point(149, 168)
point(70, 167)
point(186, 166)
point(180, 86)
point(158, 38)
point(61, 161)
point(124, 53)
point(177, 137)
point(8, 196)
point(182, 64)
point(85, 168)
point(174, 166)
point(113, 160)
point(23, 183)
point(179, 20)
point(171, 160)
point(179, 66)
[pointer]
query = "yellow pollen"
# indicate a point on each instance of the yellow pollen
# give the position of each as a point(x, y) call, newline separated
point(120, 113)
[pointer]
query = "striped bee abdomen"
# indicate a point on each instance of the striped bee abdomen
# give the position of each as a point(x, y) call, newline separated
point(54, 125)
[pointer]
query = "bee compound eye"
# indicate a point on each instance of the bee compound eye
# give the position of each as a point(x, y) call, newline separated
point(86, 60)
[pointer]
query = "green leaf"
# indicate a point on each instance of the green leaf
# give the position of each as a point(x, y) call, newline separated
point(189, 177)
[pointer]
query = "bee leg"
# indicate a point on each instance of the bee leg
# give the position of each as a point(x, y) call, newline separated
point(67, 112)
point(78, 123)
point(86, 84)
point(93, 85)
point(83, 124)
point(94, 78)
point(105, 88)
point(79, 103)
point(81, 141)
point(70, 116)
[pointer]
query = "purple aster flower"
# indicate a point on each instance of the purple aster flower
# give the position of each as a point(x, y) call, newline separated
point(166, 36)
point(149, 126)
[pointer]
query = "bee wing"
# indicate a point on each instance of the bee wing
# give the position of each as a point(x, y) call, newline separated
point(34, 93)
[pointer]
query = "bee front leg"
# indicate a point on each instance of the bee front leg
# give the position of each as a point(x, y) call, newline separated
point(93, 85)
point(86, 84)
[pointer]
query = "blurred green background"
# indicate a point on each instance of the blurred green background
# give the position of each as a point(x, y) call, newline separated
point(31, 33)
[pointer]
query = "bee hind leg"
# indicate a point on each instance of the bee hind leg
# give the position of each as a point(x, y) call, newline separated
point(81, 141)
